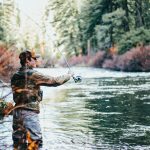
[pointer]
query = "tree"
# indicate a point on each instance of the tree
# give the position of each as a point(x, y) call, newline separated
point(139, 13)
point(9, 25)
point(102, 23)
point(66, 23)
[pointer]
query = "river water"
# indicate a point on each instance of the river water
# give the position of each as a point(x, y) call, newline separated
point(108, 110)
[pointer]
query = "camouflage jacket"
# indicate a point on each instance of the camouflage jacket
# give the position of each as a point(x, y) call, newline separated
point(26, 84)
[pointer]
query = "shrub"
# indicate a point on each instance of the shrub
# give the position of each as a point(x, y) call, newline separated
point(137, 59)
point(77, 60)
point(98, 59)
point(8, 63)
point(89, 60)
point(110, 63)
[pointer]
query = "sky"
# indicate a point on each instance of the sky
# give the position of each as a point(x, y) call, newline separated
point(31, 12)
point(32, 8)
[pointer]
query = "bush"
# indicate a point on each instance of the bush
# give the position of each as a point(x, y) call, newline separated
point(95, 60)
point(137, 59)
point(8, 63)
point(110, 63)
point(78, 61)
point(98, 59)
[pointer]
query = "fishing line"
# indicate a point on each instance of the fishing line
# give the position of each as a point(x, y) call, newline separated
point(75, 78)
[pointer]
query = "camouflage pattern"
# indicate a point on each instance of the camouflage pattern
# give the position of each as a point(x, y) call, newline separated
point(26, 84)
point(26, 87)
point(24, 121)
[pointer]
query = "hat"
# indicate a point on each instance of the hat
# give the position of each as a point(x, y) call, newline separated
point(28, 55)
point(34, 55)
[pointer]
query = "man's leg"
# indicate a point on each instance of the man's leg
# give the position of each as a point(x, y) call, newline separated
point(19, 132)
point(32, 124)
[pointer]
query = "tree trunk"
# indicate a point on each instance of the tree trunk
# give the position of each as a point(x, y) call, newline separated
point(139, 21)
point(89, 47)
point(125, 7)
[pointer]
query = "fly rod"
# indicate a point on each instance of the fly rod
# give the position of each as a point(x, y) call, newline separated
point(75, 78)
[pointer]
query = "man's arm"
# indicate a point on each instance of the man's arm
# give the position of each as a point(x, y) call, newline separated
point(44, 80)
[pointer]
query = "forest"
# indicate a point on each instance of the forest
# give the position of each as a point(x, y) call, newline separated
point(112, 34)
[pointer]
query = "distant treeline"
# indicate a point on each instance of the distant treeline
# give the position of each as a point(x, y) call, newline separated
point(89, 26)
point(112, 34)
point(135, 60)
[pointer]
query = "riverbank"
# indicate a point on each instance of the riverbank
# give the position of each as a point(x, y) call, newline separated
point(135, 60)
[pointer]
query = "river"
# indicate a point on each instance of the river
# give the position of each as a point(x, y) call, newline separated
point(108, 110)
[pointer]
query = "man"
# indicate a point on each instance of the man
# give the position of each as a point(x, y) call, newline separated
point(27, 95)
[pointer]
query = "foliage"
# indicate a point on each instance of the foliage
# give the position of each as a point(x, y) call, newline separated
point(9, 22)
point(137, 59)
point(98, 59)
point(78, 61)
point(8, 62)
point(66, 23)
point(102, 22)
point(133, 38)
point(95, 60)
point(110, 32)
point(2, 34)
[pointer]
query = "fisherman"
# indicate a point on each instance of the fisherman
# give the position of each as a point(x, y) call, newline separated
point(27, 96)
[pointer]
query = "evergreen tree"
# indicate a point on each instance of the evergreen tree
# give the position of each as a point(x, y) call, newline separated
point(66, 23)
point(9, 21)
point(102, 23)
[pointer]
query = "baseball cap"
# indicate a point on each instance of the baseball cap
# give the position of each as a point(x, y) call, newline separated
point(28, 55)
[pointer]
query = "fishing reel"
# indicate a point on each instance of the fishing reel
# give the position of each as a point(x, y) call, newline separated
point(77, 79)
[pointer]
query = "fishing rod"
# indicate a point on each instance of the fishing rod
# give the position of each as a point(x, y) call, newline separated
point(75, 78)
